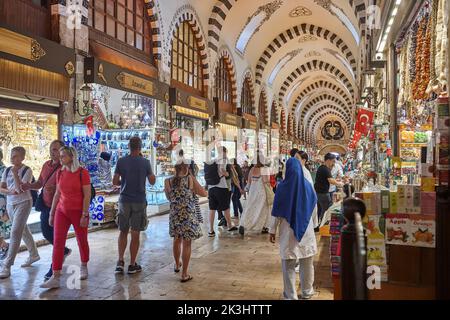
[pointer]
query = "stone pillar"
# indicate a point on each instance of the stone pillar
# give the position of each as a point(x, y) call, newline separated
point(70, 28)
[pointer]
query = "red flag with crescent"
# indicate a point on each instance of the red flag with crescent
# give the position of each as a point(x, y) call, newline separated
point(363, 121)
point(89, 122)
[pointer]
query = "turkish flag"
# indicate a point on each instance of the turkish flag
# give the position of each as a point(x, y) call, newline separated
point(89, 122)
point(363, 121)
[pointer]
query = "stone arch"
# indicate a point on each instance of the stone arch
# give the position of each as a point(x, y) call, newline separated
point(188, 14)
point(312, 66)
point(216, 21)
point(247, 75)
point(224, 52)
point(297, 31)
point(152, 11)
point(332, 148)
point(320, 85)
point(263, 95)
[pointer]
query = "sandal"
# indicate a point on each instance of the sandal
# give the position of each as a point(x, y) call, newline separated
point(175, 269)
point(187, 279)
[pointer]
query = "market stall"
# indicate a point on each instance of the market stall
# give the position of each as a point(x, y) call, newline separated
point(247, 142)
point(191, 122)
point(229, 125)
point(399, 185)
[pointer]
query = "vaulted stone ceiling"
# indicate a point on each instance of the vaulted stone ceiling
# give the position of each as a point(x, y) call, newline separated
point(305, 54)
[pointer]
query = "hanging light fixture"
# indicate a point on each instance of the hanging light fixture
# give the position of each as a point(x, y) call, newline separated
point(86, 92)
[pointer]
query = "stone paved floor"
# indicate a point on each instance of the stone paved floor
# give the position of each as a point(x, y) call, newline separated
point(224, 267)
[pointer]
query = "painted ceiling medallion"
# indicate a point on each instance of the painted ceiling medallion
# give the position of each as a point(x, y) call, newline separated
point(332, 130)
point(312, 53)
point(300, 11)
point(255, 22)
point(306, 38)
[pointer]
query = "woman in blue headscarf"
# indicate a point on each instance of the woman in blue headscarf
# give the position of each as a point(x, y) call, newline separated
point(293, 210)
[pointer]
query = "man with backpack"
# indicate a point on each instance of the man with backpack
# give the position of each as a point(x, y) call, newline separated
point(216, 175)
point(19, 204)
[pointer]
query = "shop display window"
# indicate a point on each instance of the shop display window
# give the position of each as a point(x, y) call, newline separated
point(246, 98)
point(32, 130)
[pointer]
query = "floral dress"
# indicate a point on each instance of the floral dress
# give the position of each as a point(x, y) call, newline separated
point(183, 219)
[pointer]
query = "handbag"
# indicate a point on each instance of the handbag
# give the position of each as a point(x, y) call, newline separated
point(270, 195)
point(39, 204)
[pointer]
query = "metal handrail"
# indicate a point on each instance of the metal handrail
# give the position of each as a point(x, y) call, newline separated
point(353, 258)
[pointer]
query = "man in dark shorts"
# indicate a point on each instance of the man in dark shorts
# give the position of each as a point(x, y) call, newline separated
point(219, 195)
point(131, 174)
point(322, 184)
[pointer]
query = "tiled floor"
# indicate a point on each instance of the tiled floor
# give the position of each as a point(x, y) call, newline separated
point(224, 267)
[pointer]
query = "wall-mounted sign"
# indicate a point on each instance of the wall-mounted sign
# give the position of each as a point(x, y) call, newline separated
point(131, 82)
point(28, 49)
point(253, 125)
point(194, 102)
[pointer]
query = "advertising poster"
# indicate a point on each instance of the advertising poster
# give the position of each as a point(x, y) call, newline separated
point(376, 245)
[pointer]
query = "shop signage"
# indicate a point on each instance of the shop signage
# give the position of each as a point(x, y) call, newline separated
point(231, 119)
point(196, 103)
point(27, 49)
point(181, 98)
point(131, 82)
point(105, 73)
point(253, 125)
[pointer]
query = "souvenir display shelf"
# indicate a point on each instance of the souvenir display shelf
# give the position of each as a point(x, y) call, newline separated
point(32, 130)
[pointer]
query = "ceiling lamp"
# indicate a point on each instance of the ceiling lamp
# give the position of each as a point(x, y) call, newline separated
point(383, 40)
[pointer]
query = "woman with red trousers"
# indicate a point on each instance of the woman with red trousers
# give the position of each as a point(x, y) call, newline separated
point(70, 207)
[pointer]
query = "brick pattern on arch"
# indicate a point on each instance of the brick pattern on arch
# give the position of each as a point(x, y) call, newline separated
point(225, 54)
point(295, 32)
point(151, 10)
point(274, 112)
point(216, 21)
point(187, 14)
point(310, 67)
point(263, 95)
point(323, 85)
point(248, 77)
point(329, 99)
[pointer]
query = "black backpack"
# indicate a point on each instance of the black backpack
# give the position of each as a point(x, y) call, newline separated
point(34, 193)
point(211, 174)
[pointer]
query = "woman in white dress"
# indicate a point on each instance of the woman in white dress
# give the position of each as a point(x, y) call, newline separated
point(256, 215)
point(293, 210)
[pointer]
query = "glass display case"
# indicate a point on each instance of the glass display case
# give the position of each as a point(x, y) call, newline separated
point(32, 130)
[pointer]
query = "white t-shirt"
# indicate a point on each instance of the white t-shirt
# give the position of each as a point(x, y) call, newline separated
point(221, 164)
point(11, 185)
point(336, 172)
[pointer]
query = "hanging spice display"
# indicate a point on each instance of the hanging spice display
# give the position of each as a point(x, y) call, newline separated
point(412, 52)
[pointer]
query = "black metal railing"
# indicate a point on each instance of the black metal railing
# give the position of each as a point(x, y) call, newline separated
point(353, 252)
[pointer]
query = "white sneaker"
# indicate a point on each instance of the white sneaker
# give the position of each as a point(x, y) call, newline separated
point(52, 283)
point(308, 296)
point(30, 261)
point(83, 273)
point(5, 272)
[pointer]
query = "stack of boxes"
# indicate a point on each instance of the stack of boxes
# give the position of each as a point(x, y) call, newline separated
point(336, 224)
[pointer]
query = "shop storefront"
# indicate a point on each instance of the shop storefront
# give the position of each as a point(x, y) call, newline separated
point(192, 121)
point(123, 104)
point(34, 84)
point(230, 126)
point(264, 140)
point(247, 142)
point(402, 164)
